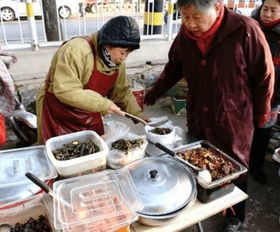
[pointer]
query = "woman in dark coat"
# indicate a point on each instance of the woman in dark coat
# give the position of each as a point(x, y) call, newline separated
point(226, 62)
point(268, 16)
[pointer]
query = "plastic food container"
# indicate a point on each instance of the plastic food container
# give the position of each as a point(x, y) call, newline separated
point(82, 165)
point(117, 158)
point(163, 139)
point(15, 188)
point(23, 213)
point(103, 201)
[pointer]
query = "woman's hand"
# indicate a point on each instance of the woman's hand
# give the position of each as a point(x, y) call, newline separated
point(146, 119)
point(114, 109)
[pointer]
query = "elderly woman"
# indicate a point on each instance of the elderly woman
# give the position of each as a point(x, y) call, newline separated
point(268, 15)
point(227, 64)
point(87, 79)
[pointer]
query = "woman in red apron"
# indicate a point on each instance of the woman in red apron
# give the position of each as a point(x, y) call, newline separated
point(87, 80)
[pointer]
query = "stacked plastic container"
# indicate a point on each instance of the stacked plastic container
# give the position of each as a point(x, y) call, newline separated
point(82, 165)
point(15, 188)
point(104, 201)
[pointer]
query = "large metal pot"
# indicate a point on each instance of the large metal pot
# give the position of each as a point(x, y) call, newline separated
point(166, 188)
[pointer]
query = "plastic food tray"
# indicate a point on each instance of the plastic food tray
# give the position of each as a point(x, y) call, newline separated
point(238, 168)
point(104, 200)
point(90, 163)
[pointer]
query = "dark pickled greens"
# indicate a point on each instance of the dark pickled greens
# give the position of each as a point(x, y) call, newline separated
point(75, 149)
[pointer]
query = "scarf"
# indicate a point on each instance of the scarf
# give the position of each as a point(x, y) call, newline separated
point(106, 57)
point(270, 24)
point(204, 40)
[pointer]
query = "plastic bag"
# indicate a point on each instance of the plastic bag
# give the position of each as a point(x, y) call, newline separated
point(117, 158)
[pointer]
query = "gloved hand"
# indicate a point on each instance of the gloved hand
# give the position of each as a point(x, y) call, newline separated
point(150, 98)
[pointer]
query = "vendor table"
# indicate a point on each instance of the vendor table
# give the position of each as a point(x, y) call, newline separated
point(195, 214)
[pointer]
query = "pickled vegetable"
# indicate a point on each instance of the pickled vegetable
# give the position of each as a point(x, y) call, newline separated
point(126, 145)
point(75, 149)
point(161, 131)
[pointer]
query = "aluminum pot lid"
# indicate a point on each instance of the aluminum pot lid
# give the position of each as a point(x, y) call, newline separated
point(164, 184)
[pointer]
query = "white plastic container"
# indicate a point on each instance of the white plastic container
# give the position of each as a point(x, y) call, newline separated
point(163, 139)
point(104, 201)
point(82, 165)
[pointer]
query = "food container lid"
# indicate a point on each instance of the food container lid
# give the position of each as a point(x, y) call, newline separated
point(164, 184)
point(87, 199)
point(17, 195)
point(14, 163)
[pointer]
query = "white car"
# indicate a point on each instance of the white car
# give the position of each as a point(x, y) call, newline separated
point(12, 9)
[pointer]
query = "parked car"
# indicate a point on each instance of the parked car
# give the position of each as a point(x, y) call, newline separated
point(12, 9)
point(91, 5)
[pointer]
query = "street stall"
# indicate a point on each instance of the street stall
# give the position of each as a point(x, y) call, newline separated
point(114, 184)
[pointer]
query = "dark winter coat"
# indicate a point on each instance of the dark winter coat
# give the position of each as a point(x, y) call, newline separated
point(228, 86)
point(272, 35)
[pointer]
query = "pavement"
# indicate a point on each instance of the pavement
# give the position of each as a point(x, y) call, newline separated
point(263, 204)
point(33, 65)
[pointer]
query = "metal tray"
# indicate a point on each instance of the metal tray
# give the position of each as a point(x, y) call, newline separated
point(276, 155)
point(239, 168)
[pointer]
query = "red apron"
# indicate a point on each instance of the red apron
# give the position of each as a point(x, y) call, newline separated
point(2, 131)
point(59, 118)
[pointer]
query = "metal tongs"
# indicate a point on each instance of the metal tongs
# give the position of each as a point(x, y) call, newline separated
point(151, 124)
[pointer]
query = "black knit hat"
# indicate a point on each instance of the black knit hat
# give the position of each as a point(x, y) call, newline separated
point(120, 31)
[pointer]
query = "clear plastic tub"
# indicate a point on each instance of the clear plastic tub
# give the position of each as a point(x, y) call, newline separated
point(117, 158)
point(50, 212)
point(104, 201)
point(21, 214)
point(82, 165)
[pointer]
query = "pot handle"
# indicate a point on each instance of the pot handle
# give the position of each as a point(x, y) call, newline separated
point(37, 181)
point(165, 149)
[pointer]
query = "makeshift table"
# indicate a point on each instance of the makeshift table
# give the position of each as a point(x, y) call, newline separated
point(195, 214)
